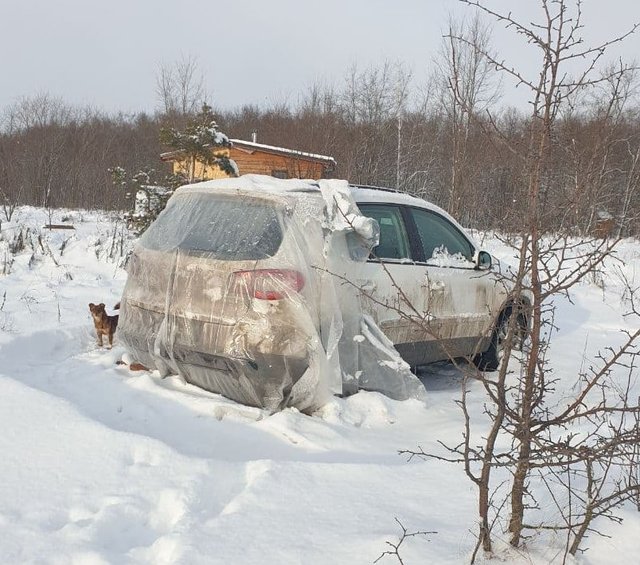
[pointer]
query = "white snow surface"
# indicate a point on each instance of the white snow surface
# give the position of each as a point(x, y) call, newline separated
point(102, 465)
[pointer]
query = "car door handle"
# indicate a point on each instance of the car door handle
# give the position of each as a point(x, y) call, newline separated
point(437, 286)
point(368, 286)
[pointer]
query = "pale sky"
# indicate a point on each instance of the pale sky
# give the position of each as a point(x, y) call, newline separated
point(107, 53)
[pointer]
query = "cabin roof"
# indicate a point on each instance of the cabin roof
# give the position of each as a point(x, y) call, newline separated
point(251, 147)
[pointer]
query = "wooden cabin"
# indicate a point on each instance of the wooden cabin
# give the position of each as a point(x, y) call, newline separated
point(604, 225)
point(257, 158)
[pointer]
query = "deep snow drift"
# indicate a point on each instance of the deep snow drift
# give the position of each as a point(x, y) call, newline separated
point(101, 465)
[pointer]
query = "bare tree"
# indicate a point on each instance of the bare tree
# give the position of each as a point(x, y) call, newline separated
point(394, 552)
point(558, 40)
point(468, 85)
point(38, 111)
point(180, 87)
point(541, 429)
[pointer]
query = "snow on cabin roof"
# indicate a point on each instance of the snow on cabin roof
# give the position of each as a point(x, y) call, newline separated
point(250, 146)
point(242, 144)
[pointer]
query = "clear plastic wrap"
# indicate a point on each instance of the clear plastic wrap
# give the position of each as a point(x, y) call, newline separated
point(244, 288)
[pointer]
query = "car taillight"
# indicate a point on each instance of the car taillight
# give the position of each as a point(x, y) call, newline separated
point(271, 284)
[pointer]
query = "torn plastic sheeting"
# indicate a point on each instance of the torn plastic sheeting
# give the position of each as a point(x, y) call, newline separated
point(368, 359)
point(241, 290)
point(379, 361)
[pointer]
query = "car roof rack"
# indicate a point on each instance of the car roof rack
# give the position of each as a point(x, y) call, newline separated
point(316, 187)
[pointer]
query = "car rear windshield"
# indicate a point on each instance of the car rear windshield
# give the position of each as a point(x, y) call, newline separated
point(223, 227)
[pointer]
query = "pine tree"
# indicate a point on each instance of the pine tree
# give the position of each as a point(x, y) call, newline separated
point(199, 141)
point(148, 195)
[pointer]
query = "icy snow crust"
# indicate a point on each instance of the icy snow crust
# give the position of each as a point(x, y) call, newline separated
point(195, 311)
point(102, 466)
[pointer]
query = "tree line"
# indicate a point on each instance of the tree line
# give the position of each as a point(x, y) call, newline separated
point(444, 141)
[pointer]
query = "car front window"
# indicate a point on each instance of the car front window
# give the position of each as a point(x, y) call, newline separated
point(442, 243)
point(394, 243)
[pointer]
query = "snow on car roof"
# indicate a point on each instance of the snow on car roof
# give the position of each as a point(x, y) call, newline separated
point(379, 194)
point(252, 183)
point(264, 184)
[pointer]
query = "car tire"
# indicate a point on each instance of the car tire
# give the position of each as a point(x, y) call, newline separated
point(490, 360)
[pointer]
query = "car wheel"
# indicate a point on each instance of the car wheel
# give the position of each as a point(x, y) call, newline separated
point(490, 360)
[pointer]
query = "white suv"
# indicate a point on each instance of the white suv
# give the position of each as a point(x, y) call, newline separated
point(254, 289)
point(448, 297)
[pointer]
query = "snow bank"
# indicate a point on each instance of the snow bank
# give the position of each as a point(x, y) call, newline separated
point(101, 465)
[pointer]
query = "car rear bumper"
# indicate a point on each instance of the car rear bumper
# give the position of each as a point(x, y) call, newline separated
point(247, 376)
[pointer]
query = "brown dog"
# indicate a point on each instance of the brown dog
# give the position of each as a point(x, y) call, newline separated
point(105, 324)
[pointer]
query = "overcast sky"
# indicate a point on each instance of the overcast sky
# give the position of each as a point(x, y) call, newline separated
point(107, 53)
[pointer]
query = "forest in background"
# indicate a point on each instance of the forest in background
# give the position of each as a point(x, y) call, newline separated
point(452, 141)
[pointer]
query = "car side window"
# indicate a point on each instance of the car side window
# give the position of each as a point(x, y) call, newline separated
point(442, 242)
point(394, 243)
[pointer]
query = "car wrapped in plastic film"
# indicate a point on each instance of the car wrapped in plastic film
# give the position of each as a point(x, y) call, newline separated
point(279, 293)
point(239, 286)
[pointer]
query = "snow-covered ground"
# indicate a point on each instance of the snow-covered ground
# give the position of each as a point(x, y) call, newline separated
point(101, 465)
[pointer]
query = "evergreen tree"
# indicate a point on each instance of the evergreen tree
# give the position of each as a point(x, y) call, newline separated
point(149, 196)
point(199, 141)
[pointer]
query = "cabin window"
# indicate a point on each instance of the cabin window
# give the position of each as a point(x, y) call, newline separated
point(280, 174)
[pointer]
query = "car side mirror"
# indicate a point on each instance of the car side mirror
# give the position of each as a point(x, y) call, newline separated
point(363, 238)
point(484, 261)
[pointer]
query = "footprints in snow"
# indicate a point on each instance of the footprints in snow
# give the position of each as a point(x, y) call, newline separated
point(146, 525)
